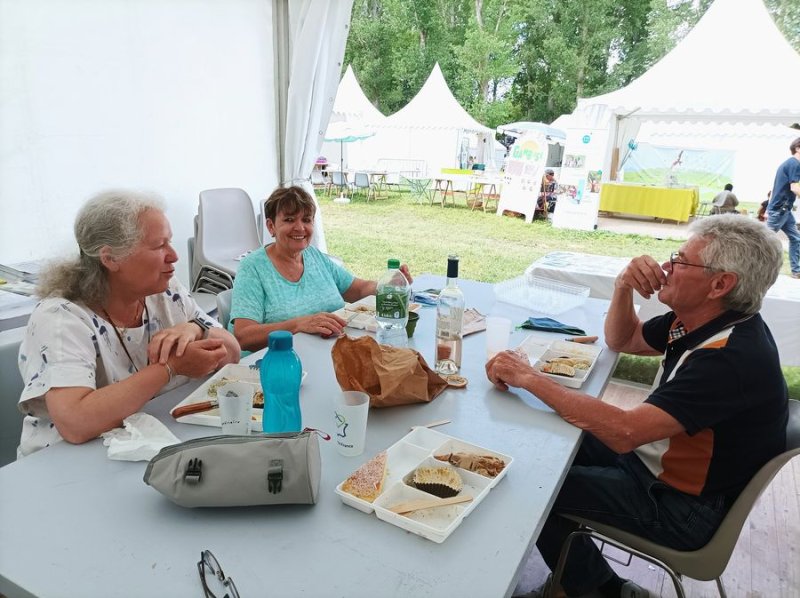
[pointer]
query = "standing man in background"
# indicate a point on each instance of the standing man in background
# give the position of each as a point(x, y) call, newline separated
point(779, 210)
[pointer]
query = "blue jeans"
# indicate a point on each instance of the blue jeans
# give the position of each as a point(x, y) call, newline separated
point(620, 491)
point(784, 220)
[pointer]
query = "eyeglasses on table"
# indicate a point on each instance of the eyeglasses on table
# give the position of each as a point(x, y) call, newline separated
point(223, 585)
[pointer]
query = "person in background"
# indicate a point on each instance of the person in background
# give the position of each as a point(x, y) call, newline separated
point(547, 194)
point(670, 468)
point(114, 327)
point(725, 201)
point(762, 211)
point(291, 285)
point(779, 210)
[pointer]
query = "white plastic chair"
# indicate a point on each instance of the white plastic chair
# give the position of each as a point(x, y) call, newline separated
point(362, 184)
point(224, 307)
point(226, 229)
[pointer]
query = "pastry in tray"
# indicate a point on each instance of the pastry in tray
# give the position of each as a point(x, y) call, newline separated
point(439, 481)
point(367, 481)
point(485, 465)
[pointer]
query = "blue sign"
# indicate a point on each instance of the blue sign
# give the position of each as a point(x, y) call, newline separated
point(587, 138)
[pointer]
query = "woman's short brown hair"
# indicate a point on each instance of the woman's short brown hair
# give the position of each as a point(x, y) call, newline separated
point(290, 201)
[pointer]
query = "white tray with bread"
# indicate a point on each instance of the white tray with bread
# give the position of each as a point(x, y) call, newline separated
point(569, 364)
point(427, 482)
point(204, 397)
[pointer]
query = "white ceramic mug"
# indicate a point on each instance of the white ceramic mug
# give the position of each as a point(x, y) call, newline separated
point(350, 410)
point(235, 407)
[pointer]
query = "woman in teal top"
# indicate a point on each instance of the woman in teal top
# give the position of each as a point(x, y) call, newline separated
point(290, 285)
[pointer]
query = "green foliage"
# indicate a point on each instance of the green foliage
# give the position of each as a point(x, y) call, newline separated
point(520, 59)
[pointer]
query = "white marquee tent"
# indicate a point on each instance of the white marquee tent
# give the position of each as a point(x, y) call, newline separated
point(435, 128)
point(353, 106)
point(164, 96)
point(734, 67)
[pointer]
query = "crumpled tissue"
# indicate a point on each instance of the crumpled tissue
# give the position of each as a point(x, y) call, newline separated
point(140, 440)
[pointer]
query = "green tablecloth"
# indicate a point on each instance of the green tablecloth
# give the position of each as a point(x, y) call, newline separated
point(659, 202)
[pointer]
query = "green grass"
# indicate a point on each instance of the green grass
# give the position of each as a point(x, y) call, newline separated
point(491, 248)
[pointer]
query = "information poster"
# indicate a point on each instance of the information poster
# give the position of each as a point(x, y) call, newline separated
point(578, 190)
point(523, 175)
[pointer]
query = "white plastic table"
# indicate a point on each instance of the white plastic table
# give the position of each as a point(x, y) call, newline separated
point(780, 308)
point(74, 523)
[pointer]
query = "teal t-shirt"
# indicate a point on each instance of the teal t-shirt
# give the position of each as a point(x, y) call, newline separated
point(262, 294)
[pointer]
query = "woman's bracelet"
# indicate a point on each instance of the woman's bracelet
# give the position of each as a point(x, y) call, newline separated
point(170, 372)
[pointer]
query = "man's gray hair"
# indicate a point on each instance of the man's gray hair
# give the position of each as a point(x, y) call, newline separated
point(739, 244)
point(109, 219)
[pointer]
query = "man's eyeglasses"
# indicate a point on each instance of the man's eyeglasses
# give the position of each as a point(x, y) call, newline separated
point(209, 564)
point(675, 258)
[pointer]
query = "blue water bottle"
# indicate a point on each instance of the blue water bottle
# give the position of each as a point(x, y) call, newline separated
point(281, 372)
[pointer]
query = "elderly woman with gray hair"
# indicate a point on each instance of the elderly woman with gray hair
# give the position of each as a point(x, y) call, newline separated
point(114, 328)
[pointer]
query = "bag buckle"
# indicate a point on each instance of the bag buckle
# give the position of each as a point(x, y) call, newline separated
point(275, 476)
point(194, 471)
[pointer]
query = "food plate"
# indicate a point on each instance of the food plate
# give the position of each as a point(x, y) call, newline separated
point(540, 353)
point(361, 314)
point(417, 449)
point(235, 371)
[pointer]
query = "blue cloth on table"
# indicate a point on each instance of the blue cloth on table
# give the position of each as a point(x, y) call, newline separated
point(551, 325)
point(426, 298)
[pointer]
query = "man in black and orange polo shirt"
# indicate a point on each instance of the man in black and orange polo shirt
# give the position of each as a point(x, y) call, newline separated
point(669, 468)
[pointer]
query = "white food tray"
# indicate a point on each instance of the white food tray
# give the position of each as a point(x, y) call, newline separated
point(361, 314)
point(417, 449)
point(539, 353)
point(235, 371)
point(541, 294)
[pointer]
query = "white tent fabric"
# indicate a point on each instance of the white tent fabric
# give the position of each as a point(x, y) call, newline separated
point(318, 35)
point(433, 127)
point(353, 106)
point(733, 66)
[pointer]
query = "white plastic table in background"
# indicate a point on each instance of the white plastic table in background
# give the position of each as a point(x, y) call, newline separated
point(73, 522)
point(781, 308)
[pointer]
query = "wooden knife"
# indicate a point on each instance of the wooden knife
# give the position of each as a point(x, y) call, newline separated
point(427, 503)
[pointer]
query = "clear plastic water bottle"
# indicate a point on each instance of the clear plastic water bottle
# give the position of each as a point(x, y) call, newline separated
point(281, 373)
point(449, 322)
point(391, 306)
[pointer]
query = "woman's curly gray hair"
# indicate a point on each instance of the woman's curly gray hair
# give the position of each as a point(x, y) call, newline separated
point(109, 219)
point(736, 243)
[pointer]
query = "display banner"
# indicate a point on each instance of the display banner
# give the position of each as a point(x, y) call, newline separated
point(523, 175)
point(578, 190)
point(675, 167)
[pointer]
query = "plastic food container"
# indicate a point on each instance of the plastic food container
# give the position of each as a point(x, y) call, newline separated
point(540, 354)
point(541, 294)
point(417, 449)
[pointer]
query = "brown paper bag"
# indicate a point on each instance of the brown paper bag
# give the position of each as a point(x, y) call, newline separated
point(390, 376)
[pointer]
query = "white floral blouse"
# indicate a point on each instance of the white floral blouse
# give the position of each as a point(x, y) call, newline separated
point(68, 344)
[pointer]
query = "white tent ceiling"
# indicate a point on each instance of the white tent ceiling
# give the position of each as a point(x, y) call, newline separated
point(733, 66)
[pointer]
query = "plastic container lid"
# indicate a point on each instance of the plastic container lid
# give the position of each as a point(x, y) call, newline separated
point(394, 263)
point(280, 340)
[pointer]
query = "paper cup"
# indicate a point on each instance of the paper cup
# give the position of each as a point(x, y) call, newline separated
point(498, 331)
point(235, 407)
point(413, 318)
point(350, 410)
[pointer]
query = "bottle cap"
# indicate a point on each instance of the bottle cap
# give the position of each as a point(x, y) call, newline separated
point(394, 263)
point(280, 340)
point(452, 266)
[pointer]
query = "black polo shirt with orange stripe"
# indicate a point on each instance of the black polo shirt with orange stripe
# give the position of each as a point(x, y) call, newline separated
point(728, 393)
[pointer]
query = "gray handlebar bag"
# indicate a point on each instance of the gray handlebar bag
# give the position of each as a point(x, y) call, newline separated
point(239, 471)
